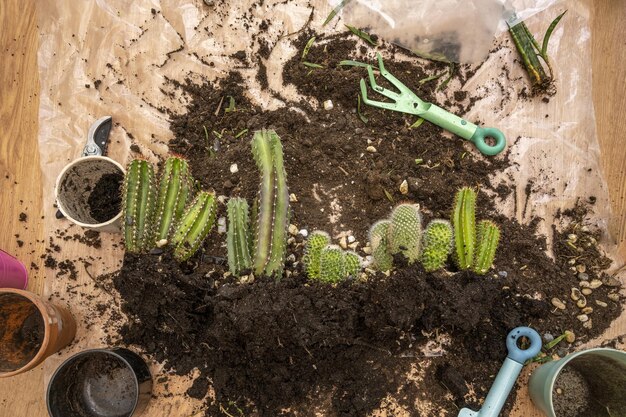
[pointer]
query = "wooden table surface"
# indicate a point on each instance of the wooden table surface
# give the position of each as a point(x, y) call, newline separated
point(20, 175)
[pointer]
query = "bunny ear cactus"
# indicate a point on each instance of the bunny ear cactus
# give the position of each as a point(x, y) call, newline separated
point(237, 236)
point(175, 188)
point(464, 222)
point(378, 237)
point(353, 264)
point(488, 238)
point(194, 225)
point(437, 244)
point(273, 208)
point(332, 264)
point(317, 241)
point(138, 206)
point(405, 231)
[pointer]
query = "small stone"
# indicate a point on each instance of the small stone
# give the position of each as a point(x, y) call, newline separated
point(221, 199)
point(583, 284)
point(367, 250)
point(209, 2)
point(587, 291)
point(503, 274)
point(354, 245)
point(575, 294)
point(404, 187)
point(548, 337)
point(601, 303)
point(595, 283)
point(559, 391)
point(234, 169)
point(291, 258)
point(582, 317)
point(588, 324)
point(351, 239)
point(558, 303)
point(572, 238)
point(582, 302)
point(614, 297)
point(583, 276)
point(221, 225)
point(161, 243)
point(293, 198)
point(291, 240)
point(612, 282)
point(293, 230)
point(343, 242)
point(371, 149)
point(587, 310)
point(303, 232)
point(581, 268)
point(328, 105)
point(570, 337)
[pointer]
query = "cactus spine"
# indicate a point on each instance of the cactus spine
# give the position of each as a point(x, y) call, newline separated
point(175, 188)
point(237, 236)
point(488, 238)
point(273, 208)
point(378, 236)
point(317, 241)
point(332, 264)
point(194, 225)
point(352, 264)
point(464, 222)
point(139, 198)
point(405, 231)
point(437, 244)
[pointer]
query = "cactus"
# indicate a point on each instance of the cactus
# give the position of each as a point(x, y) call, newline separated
point(464, 222)
point(352, 264)
point(405, 231)
point(175, 189)
point(378, 236)
point(437, 244)
point(194, 225)
point(488, 237)
point(273, 207)
point(332, 264)
point(138, 205)
point(313, 250)
point(237, 237)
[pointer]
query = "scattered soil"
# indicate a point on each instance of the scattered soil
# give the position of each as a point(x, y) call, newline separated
point(105, 201)
point(571, 396)
point(296, 347)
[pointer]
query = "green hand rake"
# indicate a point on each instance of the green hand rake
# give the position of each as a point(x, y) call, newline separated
point(407, 102)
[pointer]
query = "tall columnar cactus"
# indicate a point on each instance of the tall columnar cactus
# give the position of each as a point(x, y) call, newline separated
point(378, 236)
point(437, 244)
point(138, 206)
point(332, 264)
point(194, 225)
point(237, 237)
point(464, 222)
point(175, 189)
point(488, 238)
point(273, 207)
point(352, 264)
point(317, 241)
point(405, 231)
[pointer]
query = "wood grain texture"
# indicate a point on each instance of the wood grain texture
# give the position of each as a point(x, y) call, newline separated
point(23, 395)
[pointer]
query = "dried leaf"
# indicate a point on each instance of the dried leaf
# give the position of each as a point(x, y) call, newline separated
point(308, 45)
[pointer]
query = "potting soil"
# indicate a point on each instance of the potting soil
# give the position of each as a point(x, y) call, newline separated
point(105, 200)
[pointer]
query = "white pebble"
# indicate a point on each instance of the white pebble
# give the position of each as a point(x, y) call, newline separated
point(558, 303)
point(371, 149)
point(304, 232)
point(404, 187)
point(343, 242)
point(293, 230)
point(234, 169)
point(328, 105)
point(351, 239)
point(367, 250)
point(221, 225)
point(613, 296)
point(595, 283)
point(582, 317)
point(293, 198)
point(601, 303)
point(161, 243)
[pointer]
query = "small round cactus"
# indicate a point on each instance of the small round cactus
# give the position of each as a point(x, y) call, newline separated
point(317, 241)
point(353, 264)
point(405, 231)
point(437, 244)
point(332, 264)
point(378, 236)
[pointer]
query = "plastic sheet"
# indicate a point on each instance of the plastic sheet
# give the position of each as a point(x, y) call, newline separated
point(448, 30)
point(112, 58)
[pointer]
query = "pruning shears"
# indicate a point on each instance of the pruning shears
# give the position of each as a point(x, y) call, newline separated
point(510, 369)
point(408, 102)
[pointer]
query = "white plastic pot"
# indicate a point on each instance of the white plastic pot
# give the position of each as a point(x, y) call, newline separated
point(73, 188)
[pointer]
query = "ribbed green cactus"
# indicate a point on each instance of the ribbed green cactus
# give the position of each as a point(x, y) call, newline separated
point(273, 208)
point(437, 244)
point(175, 189)
point(488, 238)
point(237, 236)
point(317, 241)
point(378, 236)
point(194, 225)
point(138, 206)
point(464, 222)
point(352, 264)
point(332, 264)
point(405, 231)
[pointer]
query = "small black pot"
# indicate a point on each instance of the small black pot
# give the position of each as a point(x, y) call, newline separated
point(100, 383)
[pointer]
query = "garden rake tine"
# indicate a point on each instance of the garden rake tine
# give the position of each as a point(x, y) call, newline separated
point(380, 104)
point(380, 89)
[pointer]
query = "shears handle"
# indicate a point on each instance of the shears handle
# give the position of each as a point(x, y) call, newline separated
point(465, 129)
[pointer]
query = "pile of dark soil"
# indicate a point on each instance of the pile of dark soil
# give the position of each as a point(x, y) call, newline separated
point(105, 201)
point(296, 347)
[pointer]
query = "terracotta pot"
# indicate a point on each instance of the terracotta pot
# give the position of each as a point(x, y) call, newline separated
point(24, 317)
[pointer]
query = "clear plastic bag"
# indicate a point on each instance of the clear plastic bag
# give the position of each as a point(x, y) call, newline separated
point(446, 30)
